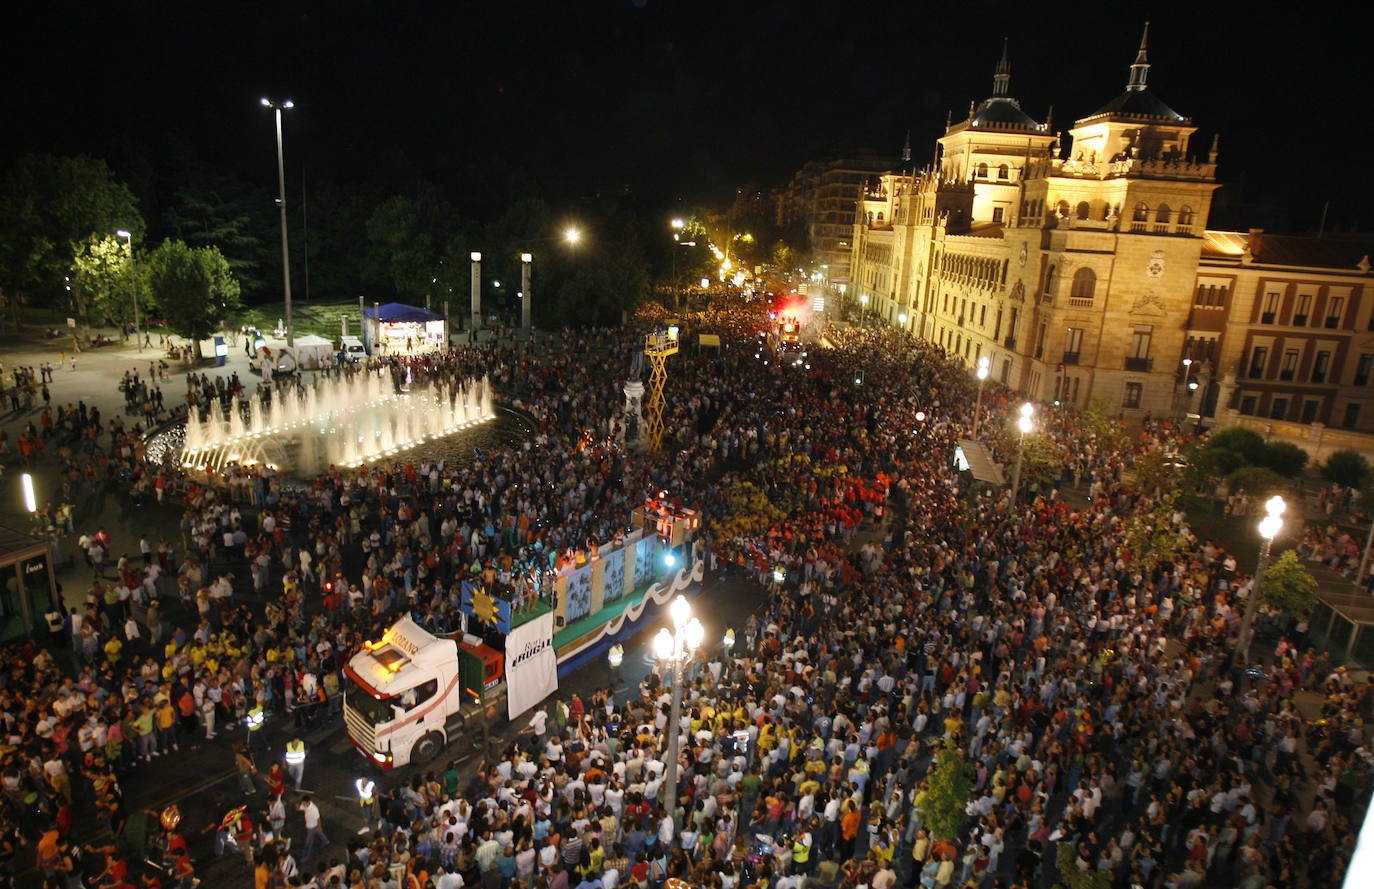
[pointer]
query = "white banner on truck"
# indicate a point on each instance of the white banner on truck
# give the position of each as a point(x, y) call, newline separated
point(531, 664)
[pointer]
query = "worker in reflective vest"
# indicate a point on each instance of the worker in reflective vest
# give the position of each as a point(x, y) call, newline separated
point(616, 658)
point(295, 760)
point(367, 799)
point(255, 719)
point(801, 852)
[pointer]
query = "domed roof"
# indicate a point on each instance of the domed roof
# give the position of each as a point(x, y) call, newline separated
point(1137, 101)
point(1002, 112)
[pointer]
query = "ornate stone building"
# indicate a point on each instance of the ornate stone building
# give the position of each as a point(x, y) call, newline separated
point(1081, 267)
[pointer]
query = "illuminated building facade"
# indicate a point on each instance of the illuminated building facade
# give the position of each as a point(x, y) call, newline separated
point(1083, 269)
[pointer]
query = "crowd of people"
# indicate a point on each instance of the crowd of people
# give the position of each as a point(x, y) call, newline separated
point(919, 622)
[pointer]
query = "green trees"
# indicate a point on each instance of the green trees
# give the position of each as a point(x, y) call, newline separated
point(1245, 460)
point(194, 289)
point(49, 206)
point(1288, 586)
point(943, 803)
point(105, 281)
point(1348, 468)
point(1151, 535)
point(410, 237)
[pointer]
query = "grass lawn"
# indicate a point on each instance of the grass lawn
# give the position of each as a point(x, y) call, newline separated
point(320, 317)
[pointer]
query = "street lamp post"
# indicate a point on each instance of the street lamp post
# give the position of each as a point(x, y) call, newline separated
point(277, 108)
point(129, 240)
point(677, 225)
point(1269, 528)
point(984, 364)
point(1025, 424)
point(863, 312)
point(676, 648)
point(1184, 389)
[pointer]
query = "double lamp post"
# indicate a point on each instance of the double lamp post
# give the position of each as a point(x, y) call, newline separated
point(675, 649)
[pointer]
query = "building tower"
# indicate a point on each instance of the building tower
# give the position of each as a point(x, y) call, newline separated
point(1108, 251)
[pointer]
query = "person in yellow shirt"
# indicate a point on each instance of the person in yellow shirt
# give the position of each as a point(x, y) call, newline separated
point(112, 650)
point(165, 721)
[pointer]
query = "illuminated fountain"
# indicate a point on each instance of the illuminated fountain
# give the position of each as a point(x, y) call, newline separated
point(333, 422)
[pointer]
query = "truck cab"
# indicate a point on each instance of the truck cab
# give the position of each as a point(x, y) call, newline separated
point(411, 692)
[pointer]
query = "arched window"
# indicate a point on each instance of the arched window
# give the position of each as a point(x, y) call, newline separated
point(1063, 208)
point(1083, 211)
point(880, 217)
point(1142, 212)
point(1084, 284)
point(1163, 213)
point(982, 171)
point(1185, 215)
point(1003, 172)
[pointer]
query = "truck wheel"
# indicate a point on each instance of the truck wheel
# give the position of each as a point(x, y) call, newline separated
point(427, 748)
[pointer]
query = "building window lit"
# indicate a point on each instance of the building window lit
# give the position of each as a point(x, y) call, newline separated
point(1134, 391)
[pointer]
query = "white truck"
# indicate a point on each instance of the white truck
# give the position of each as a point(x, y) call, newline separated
point(409, 693)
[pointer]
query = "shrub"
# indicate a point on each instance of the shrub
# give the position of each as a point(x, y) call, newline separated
point(1348, 468)
point(1246, 442)
point(1285, 458)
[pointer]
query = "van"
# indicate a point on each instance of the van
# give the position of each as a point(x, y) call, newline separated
point(352, 349)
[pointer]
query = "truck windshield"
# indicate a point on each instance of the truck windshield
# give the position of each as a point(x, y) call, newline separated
point(374, 711)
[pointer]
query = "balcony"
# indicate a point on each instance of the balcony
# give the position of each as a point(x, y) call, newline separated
point(1080, 302)
point(1010, 342)
point(1070, 358)
point(1140, 365)
point(1299, 320)
point(1267, 318)
point(1333, 323)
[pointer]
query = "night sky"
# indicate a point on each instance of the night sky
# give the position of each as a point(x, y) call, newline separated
point(672, 100)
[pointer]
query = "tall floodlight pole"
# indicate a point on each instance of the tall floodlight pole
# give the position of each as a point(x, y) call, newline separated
point(129, 240)
point(277, 108)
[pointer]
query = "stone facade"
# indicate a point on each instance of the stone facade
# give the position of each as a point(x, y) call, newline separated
point(1081, 266)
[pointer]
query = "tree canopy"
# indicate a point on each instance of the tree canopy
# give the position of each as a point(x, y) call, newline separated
point(104, 281)
point(943, 803)
point(193, 288)
point(49, 207)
